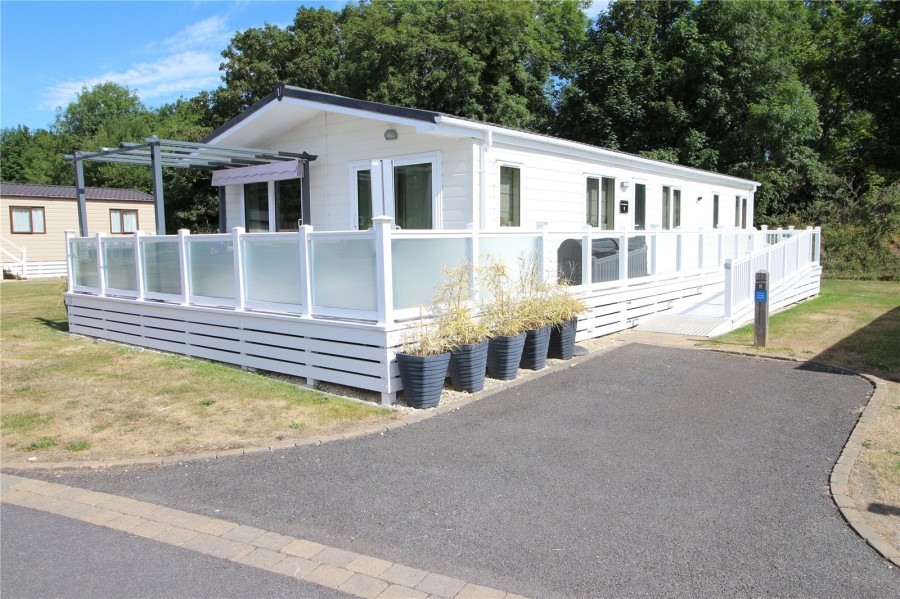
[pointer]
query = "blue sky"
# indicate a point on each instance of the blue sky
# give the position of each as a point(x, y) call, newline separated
point(49, 50)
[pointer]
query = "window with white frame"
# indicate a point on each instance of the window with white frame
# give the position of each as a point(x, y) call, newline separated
point(592, 195)
point(715, 210)
point(510, 196)
point(737, 211)
point(406, 188)
point(122, 221)
point(27, 219)
point(676, 208)
point(666, 207)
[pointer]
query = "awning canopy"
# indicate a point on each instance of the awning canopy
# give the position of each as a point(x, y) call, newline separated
point(248, 165)
point(292, 169)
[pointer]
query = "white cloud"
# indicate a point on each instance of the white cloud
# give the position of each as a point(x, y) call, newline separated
point(186, 63)
point(208, 33)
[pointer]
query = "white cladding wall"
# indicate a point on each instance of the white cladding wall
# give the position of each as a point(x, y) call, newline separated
point(339, 140)
point(553, 190)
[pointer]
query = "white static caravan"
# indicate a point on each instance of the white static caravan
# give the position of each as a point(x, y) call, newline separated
point(429, 170)
point(337, 233)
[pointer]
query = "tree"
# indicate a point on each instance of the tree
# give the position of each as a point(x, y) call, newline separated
point(488, 61)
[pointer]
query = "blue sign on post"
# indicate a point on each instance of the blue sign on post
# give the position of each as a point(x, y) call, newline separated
point(761, 295)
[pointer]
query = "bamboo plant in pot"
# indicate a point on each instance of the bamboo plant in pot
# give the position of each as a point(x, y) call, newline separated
point(466, 335)
point(502, 314)
point(422, 363)
point(562, 311)
point(534, 305)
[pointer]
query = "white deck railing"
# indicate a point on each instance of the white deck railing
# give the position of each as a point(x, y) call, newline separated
point(16, 257)
point(791, 253)
point(384, 275)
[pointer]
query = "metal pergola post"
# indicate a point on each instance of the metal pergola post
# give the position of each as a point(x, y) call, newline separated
point(304, 194)
point(158, 200)
point(81, 196)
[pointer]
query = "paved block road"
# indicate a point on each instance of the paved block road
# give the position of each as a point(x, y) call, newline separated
point(642, 471)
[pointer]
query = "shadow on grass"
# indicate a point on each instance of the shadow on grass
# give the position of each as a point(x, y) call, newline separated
point(884, 509)
point(874, 349)
point(56, 325)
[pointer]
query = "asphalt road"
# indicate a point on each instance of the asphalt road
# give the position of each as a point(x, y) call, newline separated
point(643, 471)
point(45, 555)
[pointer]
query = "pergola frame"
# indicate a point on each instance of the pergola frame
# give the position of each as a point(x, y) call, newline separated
point(157, 153)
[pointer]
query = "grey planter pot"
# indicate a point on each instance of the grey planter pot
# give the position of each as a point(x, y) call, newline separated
point(534, 354)
point(467, 366)
point(423, 378)
point(562, 340)
point(504, 355)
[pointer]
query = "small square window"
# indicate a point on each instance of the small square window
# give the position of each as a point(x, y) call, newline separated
point(122, 222)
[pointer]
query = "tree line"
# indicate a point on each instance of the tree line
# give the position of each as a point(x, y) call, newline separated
point(801, 96)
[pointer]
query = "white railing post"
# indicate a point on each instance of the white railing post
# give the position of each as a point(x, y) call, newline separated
point(720, 249)
point(384, 275)
point(70, 273)
point(237, 252)
point(654, 250)
point(305, 271)
point(101, 265)
point(587, 263)
point(700, 249)
point(679, 251)
point(183, 266)
point(139, 265)
point(728, 296)
point(542, 264)
point(765, 234)
point(475, 252)
point(24, 263)
point(818, 254)
point(623, 258)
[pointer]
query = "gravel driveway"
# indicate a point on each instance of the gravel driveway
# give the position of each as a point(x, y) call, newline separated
point(642, 471)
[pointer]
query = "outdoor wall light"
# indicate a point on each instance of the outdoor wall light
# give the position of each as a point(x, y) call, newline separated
point(624, 185)
point(699, 198)
point(390, 135)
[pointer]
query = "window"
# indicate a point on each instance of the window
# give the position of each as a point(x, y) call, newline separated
point(122, 221)
point(593, 201)
point(413, 196)
point(743, 213)
point(288, 211)
point(640, 206)
point(737, 211)
point(364, 199)
point(27, 219)
point(666, 207)
point(715, 211)
point(256, 207)
point(405, 188)
point(510, 195)
point(608, 203)
point(676, 208)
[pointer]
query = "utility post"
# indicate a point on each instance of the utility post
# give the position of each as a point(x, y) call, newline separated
point(761, 312)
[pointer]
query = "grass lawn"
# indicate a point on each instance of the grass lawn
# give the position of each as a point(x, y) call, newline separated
point(856, 323)
point(69, 398)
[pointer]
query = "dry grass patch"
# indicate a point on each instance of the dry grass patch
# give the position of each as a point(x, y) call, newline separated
point(71, 398)
point(856, 323)
point(875, 481)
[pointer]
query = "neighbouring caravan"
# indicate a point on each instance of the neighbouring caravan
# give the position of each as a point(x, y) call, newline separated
point(35, 218)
